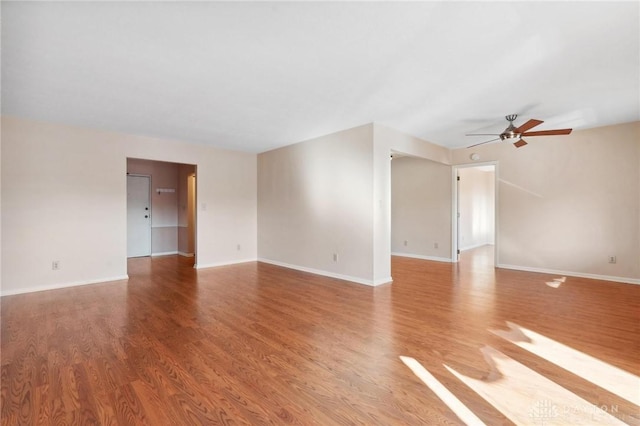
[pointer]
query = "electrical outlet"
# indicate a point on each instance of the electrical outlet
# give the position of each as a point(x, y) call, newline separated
point(406, 243)
point(435, 245)
point(612, 259)
point(335, 257)
point(238, 247)
point(55, 265)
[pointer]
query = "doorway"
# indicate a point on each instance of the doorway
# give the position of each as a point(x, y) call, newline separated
point(190, 230)
point(170, 206)
point(138, 215)
point(475, 201)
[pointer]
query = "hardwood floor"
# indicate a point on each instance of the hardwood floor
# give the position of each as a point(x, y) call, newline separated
point(259, 344)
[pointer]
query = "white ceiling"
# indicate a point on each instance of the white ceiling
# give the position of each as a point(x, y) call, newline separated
point(256, 76)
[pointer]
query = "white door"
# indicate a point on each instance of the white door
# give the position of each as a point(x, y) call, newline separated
point(138, 216)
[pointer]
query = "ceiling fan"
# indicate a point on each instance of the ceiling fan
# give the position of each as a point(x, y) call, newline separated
point(513, 132)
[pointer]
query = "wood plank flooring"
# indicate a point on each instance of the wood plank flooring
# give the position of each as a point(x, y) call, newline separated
point(259, 344)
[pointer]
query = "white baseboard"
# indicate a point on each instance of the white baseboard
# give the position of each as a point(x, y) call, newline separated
point(419, 256)
point(169, 253)
point(475, 246)
point(64, 285)
point(214, 265)
point(380, 281)
point(571, 274)
point(164, 253)
point(350, 278)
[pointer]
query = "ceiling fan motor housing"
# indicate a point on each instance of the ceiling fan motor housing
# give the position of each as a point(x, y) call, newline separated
point(510, 132)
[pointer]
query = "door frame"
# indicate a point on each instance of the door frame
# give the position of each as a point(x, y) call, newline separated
point(455, 253)
point(149, 177)
point(194, 213)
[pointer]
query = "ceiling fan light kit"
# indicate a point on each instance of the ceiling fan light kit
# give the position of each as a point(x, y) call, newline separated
point(513, 132)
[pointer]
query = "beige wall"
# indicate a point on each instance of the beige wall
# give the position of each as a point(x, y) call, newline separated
point(315, 199)
point(420, 208)
point(1, 274)
point(64, 198)
point(333, 195)
point(397, 141)
point(566, 203)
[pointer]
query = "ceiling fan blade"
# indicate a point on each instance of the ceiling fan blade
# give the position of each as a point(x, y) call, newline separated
point(519, 143)
point(482, 143)
point(528, 125)
point(548, 132)
point(482, 134)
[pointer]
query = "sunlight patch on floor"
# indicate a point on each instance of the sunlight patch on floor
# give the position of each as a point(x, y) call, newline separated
point(528, 398)
point(556, 282)
point(613, 379)
point(458, 408)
